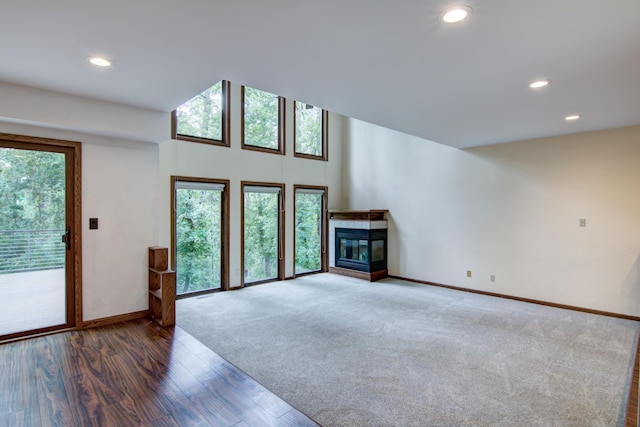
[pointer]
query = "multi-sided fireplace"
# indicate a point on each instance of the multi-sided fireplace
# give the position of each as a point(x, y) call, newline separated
point(358, 244)
point(362, 250)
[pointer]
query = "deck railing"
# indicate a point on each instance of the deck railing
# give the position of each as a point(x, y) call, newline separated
point(30, 250)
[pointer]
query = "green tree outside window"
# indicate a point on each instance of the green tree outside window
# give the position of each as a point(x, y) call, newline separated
point(32, 209)
point(308, 130)
point(198, 240)
point(261, 119)
point(308, 232)
point(260, 236)
point(201, 116)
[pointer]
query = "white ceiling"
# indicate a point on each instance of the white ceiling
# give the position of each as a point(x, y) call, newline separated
point(392, 63)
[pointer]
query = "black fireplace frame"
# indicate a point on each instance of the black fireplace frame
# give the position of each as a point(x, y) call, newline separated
point(361, 234)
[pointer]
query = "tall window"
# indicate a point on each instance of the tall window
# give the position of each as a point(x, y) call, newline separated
point(310, 131)
point(200, 236)
point(310, 229)
point(262, 232)
point(262, 121)
point(204, 118)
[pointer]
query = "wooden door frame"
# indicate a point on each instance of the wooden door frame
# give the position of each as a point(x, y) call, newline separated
point(73, 184)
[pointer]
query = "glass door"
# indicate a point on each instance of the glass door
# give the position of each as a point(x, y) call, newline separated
point(309, 229)
point(36, 241)
point(199, 236)
point(262, 213)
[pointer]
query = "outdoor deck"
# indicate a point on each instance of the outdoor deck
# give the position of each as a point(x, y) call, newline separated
point(31, 300)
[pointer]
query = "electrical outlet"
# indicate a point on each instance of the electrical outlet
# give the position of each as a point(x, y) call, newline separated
point(468, 273)
point(583, 222)
point(493, 277)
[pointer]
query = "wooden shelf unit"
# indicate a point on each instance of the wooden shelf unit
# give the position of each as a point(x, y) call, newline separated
point(162, 287)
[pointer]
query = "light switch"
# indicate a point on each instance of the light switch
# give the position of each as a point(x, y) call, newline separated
point(93, 223)
point(583, 222)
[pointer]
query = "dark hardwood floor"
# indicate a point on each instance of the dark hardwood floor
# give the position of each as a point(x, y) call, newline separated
point(131, 374)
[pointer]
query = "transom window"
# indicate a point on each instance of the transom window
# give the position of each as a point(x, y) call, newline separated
point(262, 121)
point(204, 118)
point(310, 125)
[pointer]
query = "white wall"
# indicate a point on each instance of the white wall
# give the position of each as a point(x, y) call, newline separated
point(22, 104)
point(119, 187)
point(511, 210)
point(206, 161)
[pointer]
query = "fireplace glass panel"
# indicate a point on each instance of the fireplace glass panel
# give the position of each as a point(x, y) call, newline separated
point(354, 250)
point(377, 250)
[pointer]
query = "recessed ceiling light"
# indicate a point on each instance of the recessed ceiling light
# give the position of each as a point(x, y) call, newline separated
point(572, 117)
point(100, 62)
point(539, 83)
point(456, 14)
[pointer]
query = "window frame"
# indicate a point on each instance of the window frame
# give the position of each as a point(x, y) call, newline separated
point(281, 150)
point(226, 122)
point(324, 138)
point(224, 230)
point(324, 238)
point(281, 231)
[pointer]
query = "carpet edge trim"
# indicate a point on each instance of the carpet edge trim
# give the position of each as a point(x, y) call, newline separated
point(521, 299)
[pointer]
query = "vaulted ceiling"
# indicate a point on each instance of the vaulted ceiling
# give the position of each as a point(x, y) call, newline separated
point(392, 63)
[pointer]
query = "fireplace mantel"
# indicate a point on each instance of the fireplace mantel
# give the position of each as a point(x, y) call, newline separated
point(361, 215)
point(358, 243)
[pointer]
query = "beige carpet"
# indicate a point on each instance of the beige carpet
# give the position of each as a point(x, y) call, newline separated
point(392, 353)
